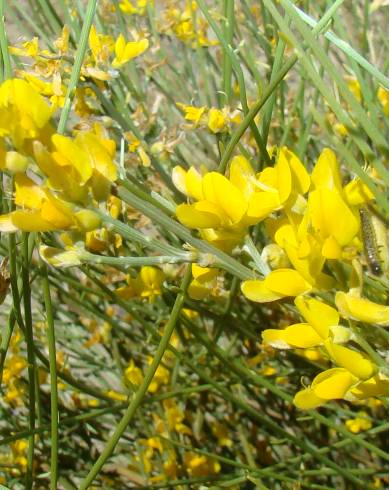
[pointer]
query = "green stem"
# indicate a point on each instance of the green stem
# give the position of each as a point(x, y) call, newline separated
point(239, 74)
point(142, 390)
point(82, 47)
point(229, 34)
point(30, 357)
point(53, 378)
point(249, 117)
point(4, 44)
point(139, 261)
point(276, 80)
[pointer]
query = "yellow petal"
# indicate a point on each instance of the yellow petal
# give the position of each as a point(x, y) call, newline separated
point(242, 174)
point(357, 364)
point(28, 194)
point(203, 214)
point(60, 258)
point(357, 193)
point(333, 383)
point(31, 221)
point(217, 121)
point(275, 338)
point(223, 239)
point(99, 157)
point(284, 176)
point(55, 215)
point(307, 400)
point(331, 249)
point(219, 190)
point(287, 282)
point(74, 155)
point(300, 177)
point(6, 224)
point(261, 204)
point(256, 290)
point(374, 386)
point(317, 314)
point(300, 335)
point(178, 178)
point(326, 173)
point(15, 162)
point(204, 273)
point(331, 216)
point(125, 52)
point(362, 309)
point(88, 219)
point(198, 290)
point(194, 184)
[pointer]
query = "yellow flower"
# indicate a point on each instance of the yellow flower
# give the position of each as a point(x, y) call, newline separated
point(191, 113)
point(147, 284)
point(14, 162)
point(41, 210)
point(115, 395)
point(101, 45)
point(377, 385)
point(322, 324)
point(220, 431)
point(28, 49)
point(359, 424)
point(204, 282)
point(24, 114)
point(355, 88)
point(54, 89)
point(361, 309)
point(223, 205)
point(329, 385)
point(138, 7)
point(200, 465)
point(328, 214)
point(75, 164)
point(357, 193)
point(383, 97)
point(133, 374)
point(61, 258)
point(217, 120)
point(356, 363)
point(126, 51)
point(278, 284)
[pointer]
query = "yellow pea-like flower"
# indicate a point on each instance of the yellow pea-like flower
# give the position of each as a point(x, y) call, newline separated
point(126, 51)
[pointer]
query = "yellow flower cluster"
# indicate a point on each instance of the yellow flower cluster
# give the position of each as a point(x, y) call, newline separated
point(214, 120)
point(224, 207)
point(64, 173)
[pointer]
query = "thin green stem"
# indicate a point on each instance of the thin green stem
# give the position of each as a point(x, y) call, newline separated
point(4, 44)
point(74, 77)
point(229, 22)
point(139, 261)
point(142, 390)
point(30, 357)
point(53, 377)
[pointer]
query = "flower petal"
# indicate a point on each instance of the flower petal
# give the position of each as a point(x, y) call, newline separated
point(362, 309)
point(221, 192)
point(333, 383)
point(287, 282)
point(317, 314)
point(256, 290)
point(307, 399)
point(357, 364)
point(202, 214)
